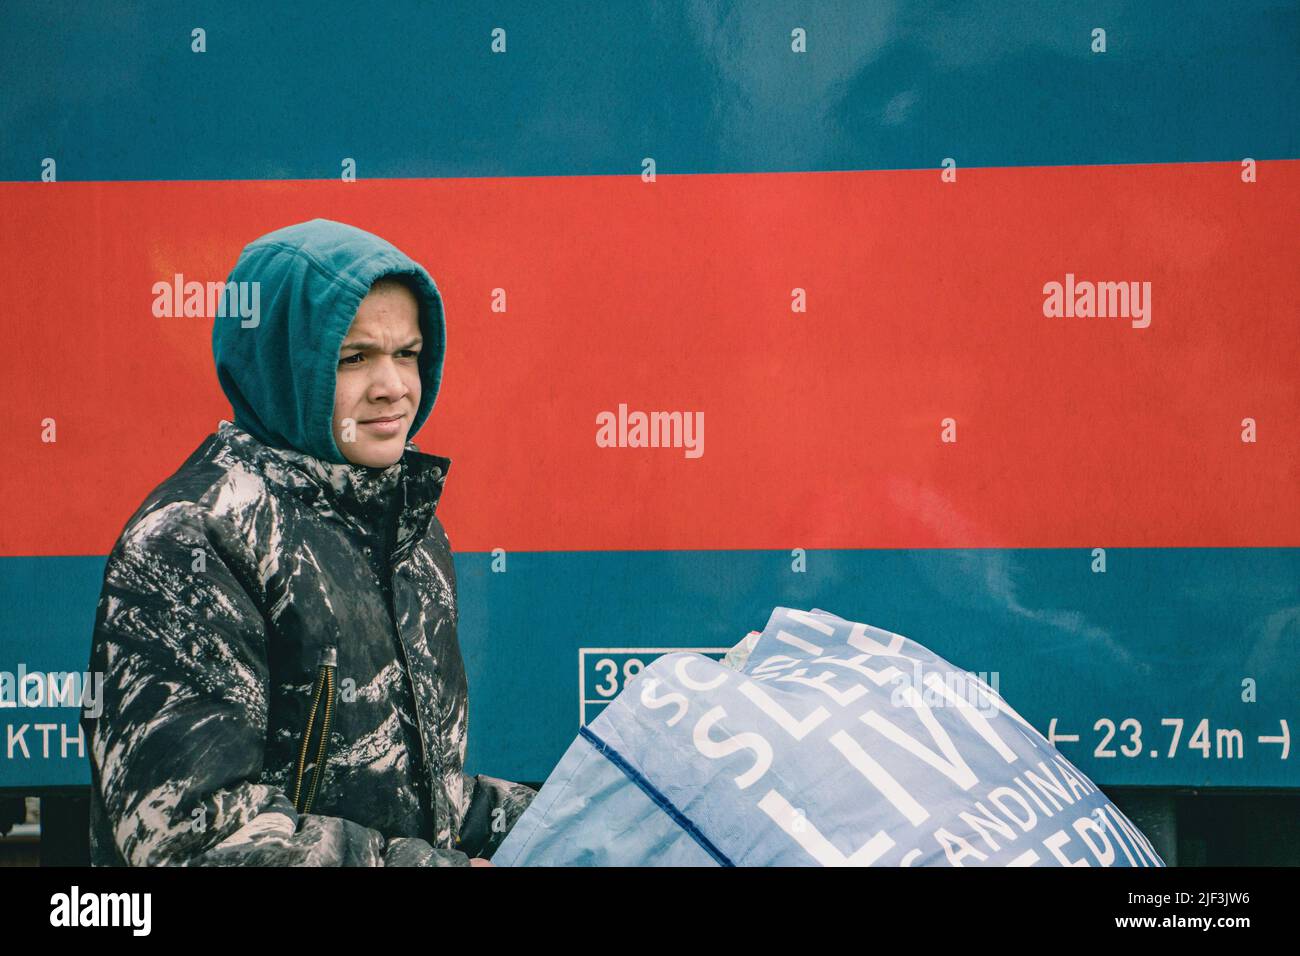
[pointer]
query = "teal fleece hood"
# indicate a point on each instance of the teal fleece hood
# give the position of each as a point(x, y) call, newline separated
point(278, 368)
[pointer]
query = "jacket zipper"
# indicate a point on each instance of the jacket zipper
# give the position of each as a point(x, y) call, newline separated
point(324, 690)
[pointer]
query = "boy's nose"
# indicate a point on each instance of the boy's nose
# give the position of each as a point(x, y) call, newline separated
point(386, 379)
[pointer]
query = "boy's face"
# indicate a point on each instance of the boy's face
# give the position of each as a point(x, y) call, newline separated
point(377, 390)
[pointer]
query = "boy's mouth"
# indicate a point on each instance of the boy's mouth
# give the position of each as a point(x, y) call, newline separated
point(386, 426)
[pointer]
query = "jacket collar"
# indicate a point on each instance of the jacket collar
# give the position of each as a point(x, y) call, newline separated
point(358, 494)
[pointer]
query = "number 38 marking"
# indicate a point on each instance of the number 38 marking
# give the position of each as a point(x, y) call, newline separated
point(612, 685)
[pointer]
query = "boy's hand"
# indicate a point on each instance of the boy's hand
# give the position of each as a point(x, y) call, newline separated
point(479, 861)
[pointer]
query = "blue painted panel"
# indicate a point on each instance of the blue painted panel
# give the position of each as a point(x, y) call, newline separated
point(1162, 635)
point(407, 89)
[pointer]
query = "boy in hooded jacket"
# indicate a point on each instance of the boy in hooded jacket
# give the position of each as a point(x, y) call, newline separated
point(283, 684)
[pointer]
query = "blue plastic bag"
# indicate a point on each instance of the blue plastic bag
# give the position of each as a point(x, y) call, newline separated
point(826, 742)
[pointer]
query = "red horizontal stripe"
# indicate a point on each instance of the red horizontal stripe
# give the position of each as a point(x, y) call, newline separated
point(822, 430)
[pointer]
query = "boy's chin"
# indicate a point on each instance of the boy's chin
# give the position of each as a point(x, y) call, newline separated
point(374, 454)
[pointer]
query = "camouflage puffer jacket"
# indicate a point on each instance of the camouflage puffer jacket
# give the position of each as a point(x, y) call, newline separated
point(276, 692)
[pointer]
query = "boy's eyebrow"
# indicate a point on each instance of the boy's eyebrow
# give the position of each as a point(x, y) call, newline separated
point(367, 345)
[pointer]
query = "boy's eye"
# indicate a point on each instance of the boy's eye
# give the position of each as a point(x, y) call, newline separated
point(359, 357)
